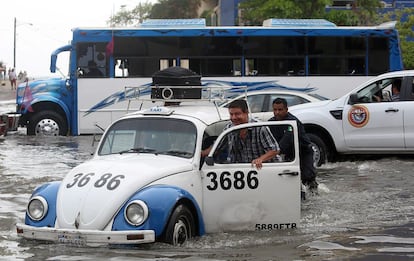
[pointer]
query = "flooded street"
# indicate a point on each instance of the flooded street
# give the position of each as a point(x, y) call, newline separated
point(364, 211)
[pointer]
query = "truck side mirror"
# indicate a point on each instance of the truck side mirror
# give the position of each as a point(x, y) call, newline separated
point(353, 98)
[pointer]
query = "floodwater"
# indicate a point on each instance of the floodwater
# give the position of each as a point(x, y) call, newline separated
point(364, 211)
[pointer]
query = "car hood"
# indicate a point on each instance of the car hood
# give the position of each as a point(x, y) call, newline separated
point(309, 105)
point(327, 105)
point(92, 193)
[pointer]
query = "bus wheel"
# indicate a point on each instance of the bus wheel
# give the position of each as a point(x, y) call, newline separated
point(319, 148)
point(181, 226)
point(47, 123)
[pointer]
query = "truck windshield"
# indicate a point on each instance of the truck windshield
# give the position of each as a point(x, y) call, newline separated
point(173, 137)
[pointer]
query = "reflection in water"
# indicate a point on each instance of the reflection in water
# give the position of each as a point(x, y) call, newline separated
point(364, 209)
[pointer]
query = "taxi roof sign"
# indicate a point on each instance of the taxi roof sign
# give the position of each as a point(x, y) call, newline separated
point(158, 110)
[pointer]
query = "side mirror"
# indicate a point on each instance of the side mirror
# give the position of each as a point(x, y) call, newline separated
point(209, 161)
point(353, 98)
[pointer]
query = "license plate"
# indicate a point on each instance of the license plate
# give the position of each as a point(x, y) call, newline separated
point(77, 240)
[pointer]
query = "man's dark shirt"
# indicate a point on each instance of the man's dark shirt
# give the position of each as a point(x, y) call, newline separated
point(284, 135)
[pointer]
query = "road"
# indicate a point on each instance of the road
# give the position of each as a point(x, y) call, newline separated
point(6, 93)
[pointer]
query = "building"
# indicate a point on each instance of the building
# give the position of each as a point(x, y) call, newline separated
point(226, 12)
point(337, 4)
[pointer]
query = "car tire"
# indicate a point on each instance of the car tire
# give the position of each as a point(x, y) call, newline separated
point(320, 151)
point(47, 123)
point(181, 226)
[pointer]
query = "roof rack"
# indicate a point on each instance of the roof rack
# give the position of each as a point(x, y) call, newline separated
point(178, 94)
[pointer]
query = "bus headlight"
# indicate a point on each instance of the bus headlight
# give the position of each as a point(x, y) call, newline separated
point(136, 212)
point(37, 208)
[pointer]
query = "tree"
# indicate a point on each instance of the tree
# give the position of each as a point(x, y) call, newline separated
point(131, 17)
point(341, 17)
point(405, 18)
point(163, 9)
point(175, 9)
point(366, 11)
point(361, 12)
point(254, 12)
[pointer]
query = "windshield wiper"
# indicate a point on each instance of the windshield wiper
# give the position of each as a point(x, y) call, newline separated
point(176, 153)
point(139, 150)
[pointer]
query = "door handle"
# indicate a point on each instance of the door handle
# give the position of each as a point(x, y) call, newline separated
point(391, 110)
point(289, 173)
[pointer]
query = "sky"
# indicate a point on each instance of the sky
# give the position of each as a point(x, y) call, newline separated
point(42, 26)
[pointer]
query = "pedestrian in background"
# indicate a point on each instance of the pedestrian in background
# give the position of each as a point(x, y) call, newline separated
point(13, 79)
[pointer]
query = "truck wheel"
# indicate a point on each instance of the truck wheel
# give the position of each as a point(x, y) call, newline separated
point(320, 151)
point(47, 123)
point(181, 226)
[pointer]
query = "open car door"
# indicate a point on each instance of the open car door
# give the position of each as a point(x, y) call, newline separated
point(239, 197)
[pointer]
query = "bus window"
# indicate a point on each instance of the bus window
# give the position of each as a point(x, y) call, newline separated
point(136, 67)
point(379, 58)
point(121, 68)
point(249, 67)
point(274, 45)
point(213, 66)
point(185, 63)
point(166, 63)
point(336, 65)
point(237, 70)
point(267, 66)
point(91, 60)
point(337, 55)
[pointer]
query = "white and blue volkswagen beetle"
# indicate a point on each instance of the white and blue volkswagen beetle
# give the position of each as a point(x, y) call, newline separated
point(147, 182)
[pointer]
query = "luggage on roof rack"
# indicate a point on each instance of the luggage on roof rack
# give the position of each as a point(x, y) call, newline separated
point(185, 80)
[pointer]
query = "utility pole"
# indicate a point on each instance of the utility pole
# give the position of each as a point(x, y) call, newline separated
point(14, 37)
point(14, 46)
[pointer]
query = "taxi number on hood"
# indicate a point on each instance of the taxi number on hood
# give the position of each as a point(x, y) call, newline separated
point(237, 180)
point(107, 180)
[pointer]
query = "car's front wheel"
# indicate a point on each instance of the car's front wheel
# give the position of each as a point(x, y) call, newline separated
point(319, 148)
point(47, 123)
point(181, 226)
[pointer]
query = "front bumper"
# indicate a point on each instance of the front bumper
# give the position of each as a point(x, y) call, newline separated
point(85, 237)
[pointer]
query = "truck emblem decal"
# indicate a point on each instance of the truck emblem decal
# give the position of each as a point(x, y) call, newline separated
point(358, 116)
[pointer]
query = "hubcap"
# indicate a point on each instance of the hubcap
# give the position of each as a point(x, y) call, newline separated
point(47, 127)
point(316, 154)
point(180, 235)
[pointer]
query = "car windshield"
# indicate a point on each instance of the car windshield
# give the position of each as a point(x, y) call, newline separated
point(150, 135)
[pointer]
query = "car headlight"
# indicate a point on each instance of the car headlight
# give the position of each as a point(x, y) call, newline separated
point(136, 212)
point(37, 208)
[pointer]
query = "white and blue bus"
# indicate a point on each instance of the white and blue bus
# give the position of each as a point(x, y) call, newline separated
point(309, 54)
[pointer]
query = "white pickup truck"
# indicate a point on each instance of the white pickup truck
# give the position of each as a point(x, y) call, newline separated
point(364, 121)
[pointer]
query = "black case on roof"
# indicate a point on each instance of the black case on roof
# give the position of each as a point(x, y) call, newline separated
point(175, 76)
